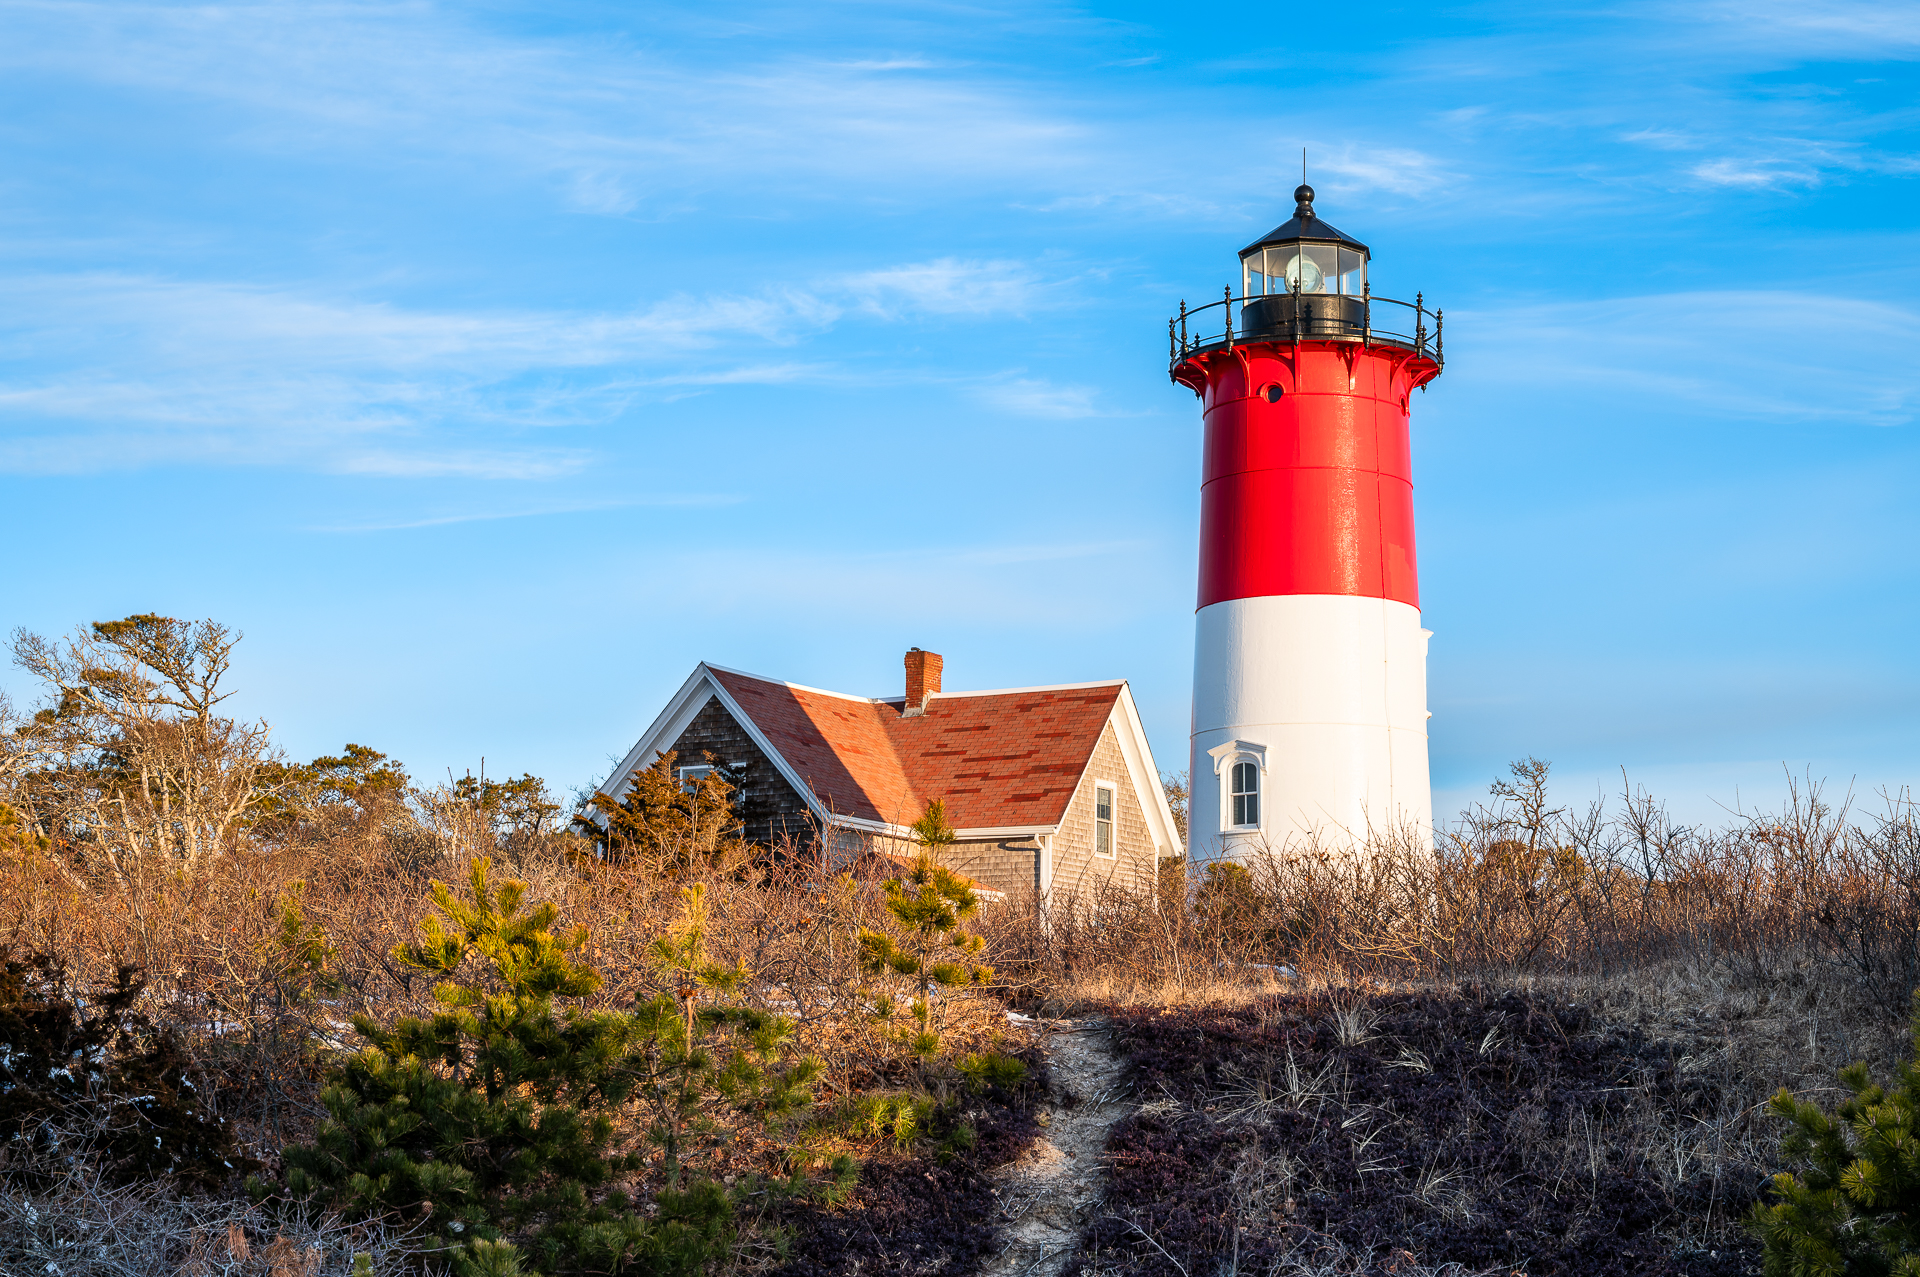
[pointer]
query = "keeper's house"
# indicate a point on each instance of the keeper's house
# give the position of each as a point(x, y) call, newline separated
point(1051, 789)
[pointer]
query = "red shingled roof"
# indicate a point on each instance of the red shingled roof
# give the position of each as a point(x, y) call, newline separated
point(998, 758)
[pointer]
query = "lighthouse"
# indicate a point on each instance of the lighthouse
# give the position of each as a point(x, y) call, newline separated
point(1310, 661)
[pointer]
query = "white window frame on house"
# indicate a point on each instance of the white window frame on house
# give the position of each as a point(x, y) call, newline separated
point(1225, 759)
point(1112, 822)
point(693, 774)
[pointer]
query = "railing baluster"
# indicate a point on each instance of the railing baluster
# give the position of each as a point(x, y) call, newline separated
point(1439, 336)
point(1228, 302)
point(1183, 325)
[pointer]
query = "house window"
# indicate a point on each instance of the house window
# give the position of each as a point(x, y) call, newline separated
point(692, 776)
point(1246, 795)
point(1103, 820)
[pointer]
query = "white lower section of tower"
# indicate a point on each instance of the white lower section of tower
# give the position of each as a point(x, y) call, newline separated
point(1326, 696)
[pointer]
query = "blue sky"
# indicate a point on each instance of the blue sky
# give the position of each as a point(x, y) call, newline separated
point(489, 365)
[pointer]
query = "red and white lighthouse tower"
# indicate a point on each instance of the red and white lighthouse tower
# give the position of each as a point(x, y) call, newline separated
point(1310, 663)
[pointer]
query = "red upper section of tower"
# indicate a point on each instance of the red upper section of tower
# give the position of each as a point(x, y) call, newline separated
point(1309, 491)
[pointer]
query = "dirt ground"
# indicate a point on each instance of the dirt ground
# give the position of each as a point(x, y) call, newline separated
point(1049, 1195)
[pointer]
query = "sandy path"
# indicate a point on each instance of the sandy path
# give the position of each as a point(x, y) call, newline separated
point(1049, 1196)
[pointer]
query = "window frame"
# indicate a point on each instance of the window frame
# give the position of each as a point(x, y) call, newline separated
point(1235, 794)
point(1226, 757)
point(692, 774)
point(1112, 822)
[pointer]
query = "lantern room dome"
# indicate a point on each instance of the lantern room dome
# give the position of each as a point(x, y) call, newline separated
point(1304, 224)
point(1304, 256)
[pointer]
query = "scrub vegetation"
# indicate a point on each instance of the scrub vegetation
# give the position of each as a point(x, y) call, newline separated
point(267, 1016)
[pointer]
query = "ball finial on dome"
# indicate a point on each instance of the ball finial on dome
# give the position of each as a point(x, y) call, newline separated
point(1303, 200)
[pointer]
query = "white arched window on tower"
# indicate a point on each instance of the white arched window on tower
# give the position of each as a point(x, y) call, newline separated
point(1244, 791)
point(1241, 767)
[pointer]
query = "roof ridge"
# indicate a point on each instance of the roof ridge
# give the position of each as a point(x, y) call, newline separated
point(800, 687)
point(1043, 687)
point(901, 700)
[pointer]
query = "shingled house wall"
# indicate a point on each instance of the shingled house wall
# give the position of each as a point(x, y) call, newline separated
point(769, 806)
point(1076, 870)
point(1009, 865)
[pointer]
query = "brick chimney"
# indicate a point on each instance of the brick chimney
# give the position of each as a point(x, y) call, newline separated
point(923, 679)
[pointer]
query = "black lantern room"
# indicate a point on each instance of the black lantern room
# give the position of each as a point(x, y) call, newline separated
point(1304, 277)
point(1304, 281)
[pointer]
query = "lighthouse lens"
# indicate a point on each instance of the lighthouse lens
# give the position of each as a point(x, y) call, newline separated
point(1305, 276)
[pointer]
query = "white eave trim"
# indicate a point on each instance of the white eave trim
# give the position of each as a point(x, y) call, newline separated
point(687, 703)
point(981, 833)
point(1132, 735)
point(985, 832)
point(664, 730)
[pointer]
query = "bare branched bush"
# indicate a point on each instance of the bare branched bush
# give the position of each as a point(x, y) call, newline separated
point(62, 1215)
point(1516, 888)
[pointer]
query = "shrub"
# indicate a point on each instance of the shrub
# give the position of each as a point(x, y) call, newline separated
point(105, 1074)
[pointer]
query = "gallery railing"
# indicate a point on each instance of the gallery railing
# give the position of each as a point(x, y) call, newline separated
point(1305, 317)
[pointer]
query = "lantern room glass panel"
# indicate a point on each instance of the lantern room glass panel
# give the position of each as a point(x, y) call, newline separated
point(1353, 272)
point(1302, 268)
point(1253, 279)
point(1306, 268)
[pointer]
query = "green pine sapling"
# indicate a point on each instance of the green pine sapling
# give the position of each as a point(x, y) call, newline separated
point(302, 958)
point(928, 904)
point(490, 1122)
point(1853, 1207)
point(675, 1069)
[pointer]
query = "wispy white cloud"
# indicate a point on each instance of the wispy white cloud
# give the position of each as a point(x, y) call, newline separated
point(947, 287)
point(613, 121)
point(1037, 397)
point(113, 371)
point(1397, 171)
point(1663, 139)
point(1755, 174)
point(750, 375)
point(453, 463)
point(1036, 581)
point(1045, 553)
point(669, 501)
point(1719, 353)
point(1816, 28)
